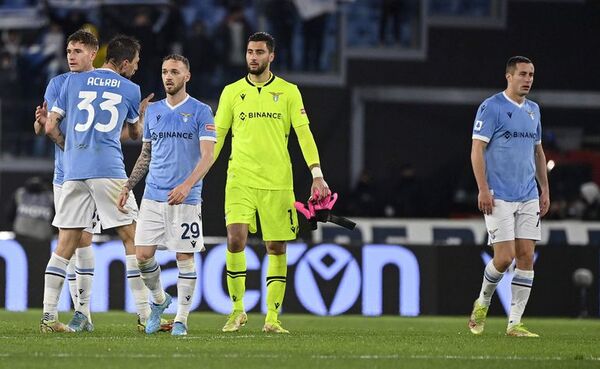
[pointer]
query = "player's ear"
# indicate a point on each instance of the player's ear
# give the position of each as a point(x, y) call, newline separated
point(188, 76)
point(271, 57)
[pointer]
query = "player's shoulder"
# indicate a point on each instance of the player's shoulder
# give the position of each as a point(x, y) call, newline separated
point(282, 83)
point(533, 104)
point(156, 106)
point(492, 103)
point(234, 86)
point(60, 79)
point(198, 105)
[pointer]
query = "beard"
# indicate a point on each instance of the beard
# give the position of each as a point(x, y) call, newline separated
point(259, 70)
point(174, 89)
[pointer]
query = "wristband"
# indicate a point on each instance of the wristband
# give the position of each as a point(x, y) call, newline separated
point(316, 172)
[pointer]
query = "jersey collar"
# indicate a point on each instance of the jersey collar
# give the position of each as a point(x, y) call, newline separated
point(512, 101)
point(178, 105)
point(271, 79)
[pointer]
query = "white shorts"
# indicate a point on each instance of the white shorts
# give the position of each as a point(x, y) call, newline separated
point(170, 227)
point(511, 220)
point(80, 199)
point(94, 224)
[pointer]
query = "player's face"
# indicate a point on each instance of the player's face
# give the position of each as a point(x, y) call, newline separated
point(258, 57)
point(79, 56)
point(128, 68)
point(174, 76)
point(521, 80)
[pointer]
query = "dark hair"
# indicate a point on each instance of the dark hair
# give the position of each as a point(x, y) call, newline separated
point(178, 57)
point(85, 37)
point(122, 48)
point(263, 36)
point(512, 62)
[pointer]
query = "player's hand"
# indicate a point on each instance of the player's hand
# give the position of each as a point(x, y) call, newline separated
point(41, 113)
point(179, 194)
point(123, 196)
point(544, 203)
point(485, 202)
point(144, 104)
point(319, 189)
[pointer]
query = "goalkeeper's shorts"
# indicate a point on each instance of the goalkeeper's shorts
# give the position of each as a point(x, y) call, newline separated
point(275, 209)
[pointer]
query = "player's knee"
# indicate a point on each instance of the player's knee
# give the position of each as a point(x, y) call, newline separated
point(276, 247)
point(502, 262)
point(143, 254)
point(236, 242)
point(525, 261)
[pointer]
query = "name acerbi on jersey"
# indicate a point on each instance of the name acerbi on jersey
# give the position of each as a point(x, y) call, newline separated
point(109, 82)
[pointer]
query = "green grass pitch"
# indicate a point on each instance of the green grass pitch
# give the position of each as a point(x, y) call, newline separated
point(315, 342)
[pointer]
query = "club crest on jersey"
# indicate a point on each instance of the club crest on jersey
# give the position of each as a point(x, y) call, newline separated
point(276, 95)
point(531, 115)
point(186, 116)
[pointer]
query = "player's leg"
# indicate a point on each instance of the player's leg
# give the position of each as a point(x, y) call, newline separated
point(276, 283)
point(528, 231)
point(500, 225)
point(240, 210)
point(71, 276)
point(75, 207)
point(105, 191)
point(85, 263)
point(55, 274)
point(186, 284)
point(279, 223)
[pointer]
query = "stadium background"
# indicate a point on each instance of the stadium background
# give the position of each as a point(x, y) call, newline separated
point(392, 116)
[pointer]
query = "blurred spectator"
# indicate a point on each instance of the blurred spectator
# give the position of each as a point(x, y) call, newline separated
point(587, 207)
point(231, 37)
point(282, 17)
point(199, 49)
point(314, 15)
point(32, 210)
point(53, 42)
point(362, 201)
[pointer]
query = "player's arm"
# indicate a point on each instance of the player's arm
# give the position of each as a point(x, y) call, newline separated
point(319, 187)
point(181, 192)
point(485, 200)
point(125, 133)
point(52, 131)
point(223, 121)
point(41, 116)
point(541, 174)
point(139, 171)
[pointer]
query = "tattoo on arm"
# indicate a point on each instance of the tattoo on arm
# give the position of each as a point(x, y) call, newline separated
point(59, 140)
point(141, 165)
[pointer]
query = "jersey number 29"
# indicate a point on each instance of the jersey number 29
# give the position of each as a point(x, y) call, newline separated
point(111, 100)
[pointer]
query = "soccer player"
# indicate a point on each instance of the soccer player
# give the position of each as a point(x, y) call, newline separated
point(507, 157)
point(260, 109)
point(81, 51)
point(177, 152)
point(95, 105)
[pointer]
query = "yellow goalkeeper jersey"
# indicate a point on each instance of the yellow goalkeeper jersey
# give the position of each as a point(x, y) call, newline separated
point(260, 119)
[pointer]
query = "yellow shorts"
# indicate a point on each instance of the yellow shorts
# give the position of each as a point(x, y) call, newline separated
point(278, 218)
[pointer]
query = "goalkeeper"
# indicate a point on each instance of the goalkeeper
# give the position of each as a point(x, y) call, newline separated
point(260, 109)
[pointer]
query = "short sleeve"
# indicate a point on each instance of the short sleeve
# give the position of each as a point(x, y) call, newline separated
point(133, 114)
point(51, 93)
point(206, 124)
point(147, 119)
point(297, 111)
point(485, 122)
point(538, 135)
point(60, 105)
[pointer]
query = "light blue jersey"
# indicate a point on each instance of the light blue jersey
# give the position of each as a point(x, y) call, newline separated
point(50, 96)
point(94, 106)
point(175, 133)
point(511, 132)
